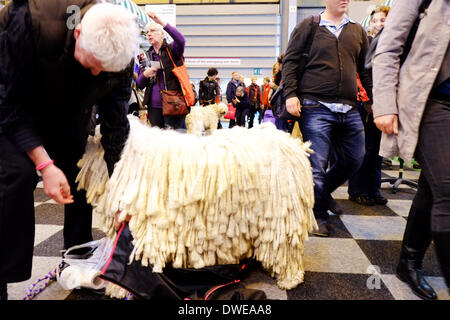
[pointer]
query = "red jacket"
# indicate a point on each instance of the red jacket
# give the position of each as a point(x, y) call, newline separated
point(265, 96)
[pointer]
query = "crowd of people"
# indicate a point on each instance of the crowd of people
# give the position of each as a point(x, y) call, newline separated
point(353, 115)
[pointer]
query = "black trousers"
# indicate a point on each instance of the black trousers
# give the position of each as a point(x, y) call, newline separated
point(430, 210)
point(18, 180)
point(367, 180)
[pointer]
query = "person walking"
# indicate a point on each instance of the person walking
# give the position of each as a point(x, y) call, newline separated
point(328, 92)
point(412, 109)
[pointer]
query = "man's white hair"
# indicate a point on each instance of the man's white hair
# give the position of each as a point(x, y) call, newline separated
point(110, 33)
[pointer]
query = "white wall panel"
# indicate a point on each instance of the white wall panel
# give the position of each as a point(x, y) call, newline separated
point(249, 32)
point(234, 41)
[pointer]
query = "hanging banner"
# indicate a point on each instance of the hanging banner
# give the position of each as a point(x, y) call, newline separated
point(212, 61)
point(167, 12)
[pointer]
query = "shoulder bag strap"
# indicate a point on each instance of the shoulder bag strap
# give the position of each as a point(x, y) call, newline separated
point(305, 55)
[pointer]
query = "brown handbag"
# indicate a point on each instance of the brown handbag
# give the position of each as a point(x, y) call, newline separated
point(181, 73)
point(173, 103)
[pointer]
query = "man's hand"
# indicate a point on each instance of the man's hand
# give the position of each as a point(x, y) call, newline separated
point(56, 185)
point(387, 123)
point(293, 106)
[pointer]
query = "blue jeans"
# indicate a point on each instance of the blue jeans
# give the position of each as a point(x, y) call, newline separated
point(367, 181)
point(343, 131)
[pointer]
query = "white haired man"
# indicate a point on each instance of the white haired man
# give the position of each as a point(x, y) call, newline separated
point(52, 73)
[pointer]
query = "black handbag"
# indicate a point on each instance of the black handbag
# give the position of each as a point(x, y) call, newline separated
point(278, 103)
point(278, 100)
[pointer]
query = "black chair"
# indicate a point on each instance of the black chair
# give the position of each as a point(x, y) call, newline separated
point(396, 182)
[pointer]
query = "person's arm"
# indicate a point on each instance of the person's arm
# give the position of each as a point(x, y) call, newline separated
point(16, 57)
point(114, 125)
point(201, 92)
point(364, 74)
point(228, 93)
point(55, 182)
point(142, 80)
point(217, 90)
point(386, 63)
point(295, 48)
point(178, 44)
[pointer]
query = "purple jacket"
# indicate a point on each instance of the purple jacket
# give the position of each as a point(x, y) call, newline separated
point(153, 98)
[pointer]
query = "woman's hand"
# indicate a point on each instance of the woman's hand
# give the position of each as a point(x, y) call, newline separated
point(150, 73)
point(157, 19)
point(56, 185)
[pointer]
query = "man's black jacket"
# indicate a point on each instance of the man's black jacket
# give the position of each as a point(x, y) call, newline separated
point(46, 96)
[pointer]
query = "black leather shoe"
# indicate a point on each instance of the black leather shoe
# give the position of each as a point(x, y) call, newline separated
point(379, 200)
point(409, 271)
point(362, 200)
point(323, 229)
point(3, 291)
point(335, 208)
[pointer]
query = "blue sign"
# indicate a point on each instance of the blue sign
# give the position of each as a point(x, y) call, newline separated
point(257, 71)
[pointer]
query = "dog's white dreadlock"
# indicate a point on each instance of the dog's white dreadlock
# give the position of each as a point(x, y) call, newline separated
point(202, 201)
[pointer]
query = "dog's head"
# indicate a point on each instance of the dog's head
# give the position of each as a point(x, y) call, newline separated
point(221, 109)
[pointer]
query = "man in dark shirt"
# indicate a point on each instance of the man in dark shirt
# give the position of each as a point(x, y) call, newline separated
point(209, 90)
point(54, 67)
point(231, 92)
point(326, 94)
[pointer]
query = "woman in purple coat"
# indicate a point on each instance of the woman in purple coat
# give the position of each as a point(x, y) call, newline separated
point(157, 74)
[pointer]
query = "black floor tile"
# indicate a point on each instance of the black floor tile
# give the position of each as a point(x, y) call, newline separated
point(385, 254)
point(401, 194)
point(338, 286)
point(352, 208)
point(337, 228)
point(49, 213)
point(40, 196)
point(51, 246)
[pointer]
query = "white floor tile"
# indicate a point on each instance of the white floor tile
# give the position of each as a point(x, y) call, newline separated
point(400, 207)
point(334, 255)
point(45, 231)
point(41, 267)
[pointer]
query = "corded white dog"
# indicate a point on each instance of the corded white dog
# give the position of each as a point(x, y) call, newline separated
point(205, 118)
point(202, 201)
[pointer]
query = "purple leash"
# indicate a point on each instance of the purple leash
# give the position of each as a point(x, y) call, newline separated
point(48, 278)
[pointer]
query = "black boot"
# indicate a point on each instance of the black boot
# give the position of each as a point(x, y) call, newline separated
point(442, 244)
point(409, 270)
point(3, 291)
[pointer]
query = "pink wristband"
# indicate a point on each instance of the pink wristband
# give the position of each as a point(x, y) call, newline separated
point(43, 165)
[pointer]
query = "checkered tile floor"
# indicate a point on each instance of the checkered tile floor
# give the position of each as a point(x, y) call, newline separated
point(356, 262)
